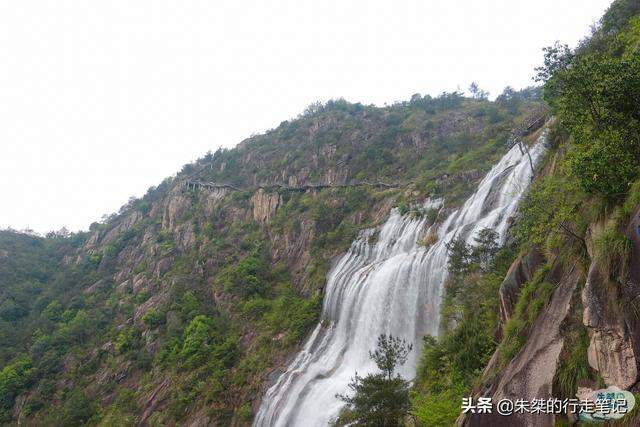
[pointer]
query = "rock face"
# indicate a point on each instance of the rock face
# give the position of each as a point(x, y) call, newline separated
point(176, 207)
point(212, 198)
point(530, 374)
point(185, 236)
point(611, 349)
point(123, 226)
point(610, 313)
point(520, 272)
point(95, 287)
point(631, 284)
point(265, 205)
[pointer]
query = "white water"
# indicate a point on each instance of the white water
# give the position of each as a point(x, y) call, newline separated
point(394, 287)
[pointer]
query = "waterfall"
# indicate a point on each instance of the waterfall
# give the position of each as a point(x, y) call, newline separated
point(392, 284)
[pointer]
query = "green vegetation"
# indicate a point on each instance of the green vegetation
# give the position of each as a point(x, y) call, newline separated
point(419, 140)
point(574, 366)
point(14, 377)
point(450, 365)
point(534, 297)
point(380, 399)
point(594, 93)
point(612, 251)
point(583, 201)
point(183, 301)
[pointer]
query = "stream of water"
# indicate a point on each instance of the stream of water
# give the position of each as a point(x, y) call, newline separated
point(387, 283)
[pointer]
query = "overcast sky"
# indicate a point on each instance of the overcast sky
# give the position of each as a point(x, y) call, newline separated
point(99, 100)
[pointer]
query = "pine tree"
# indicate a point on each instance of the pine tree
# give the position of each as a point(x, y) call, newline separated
point(380, 399)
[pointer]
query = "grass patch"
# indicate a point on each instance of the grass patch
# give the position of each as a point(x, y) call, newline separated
point(534, 297)
point(612, 251)
point(574, 366)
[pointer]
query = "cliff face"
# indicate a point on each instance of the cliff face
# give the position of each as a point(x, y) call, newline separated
point(568, 304)
point(586, 296)
point(586, 335)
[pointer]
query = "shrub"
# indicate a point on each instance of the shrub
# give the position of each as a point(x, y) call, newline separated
point(534, 297)
point(429, 239)
point(14, 377)
point(53, 311)
point(153, 318)
point(246, 278)
point(593, 97)
point(403, 208)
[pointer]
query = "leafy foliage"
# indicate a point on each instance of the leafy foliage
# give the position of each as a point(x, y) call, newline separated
point(594, 92)
point(380, 399)
point(14, 377)
point(450, 364)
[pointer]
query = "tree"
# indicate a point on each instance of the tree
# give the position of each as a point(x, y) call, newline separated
point(476, 92)
point(14, 377)
point(509, 99)
point(380, 399)
point(459, 256)
point(595, 97)
point(465, 258)
point(485, 249)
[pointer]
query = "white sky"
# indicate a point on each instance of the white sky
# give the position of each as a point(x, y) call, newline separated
point(99, 100)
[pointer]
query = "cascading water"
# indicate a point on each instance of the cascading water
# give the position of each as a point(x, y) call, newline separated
point(394, 287)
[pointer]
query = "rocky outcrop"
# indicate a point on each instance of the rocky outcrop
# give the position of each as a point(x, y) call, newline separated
point(630, 288)
point(520, 272)
point(611, 349)
point(335, 176)
point(212, 198)
point(610, 314)
point(154, 302)
point(185, 236)
point(153, 401)
point(529, 375)
point(633, 233)
point(125, 225)
point(300, 178)
point(124, 287)
point(139, 283)
point(175, 210)
point(265, 205)
point(95, 287)
point(104, 237)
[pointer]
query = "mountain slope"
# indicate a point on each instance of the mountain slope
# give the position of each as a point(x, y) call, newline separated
point(562, 316)
point(176, 309)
